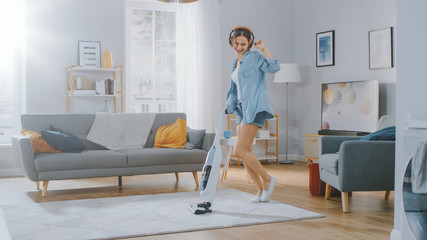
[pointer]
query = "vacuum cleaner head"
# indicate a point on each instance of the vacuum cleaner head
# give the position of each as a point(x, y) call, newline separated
point(200, 208)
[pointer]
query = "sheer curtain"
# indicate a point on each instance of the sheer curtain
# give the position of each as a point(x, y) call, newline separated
point(12, 25)
point(199, 63)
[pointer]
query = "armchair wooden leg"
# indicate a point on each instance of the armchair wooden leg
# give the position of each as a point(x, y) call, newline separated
point(328, 191)
point(196, 178)
point(44, 191)
point(387, 195)
point(177, 176)
point(38, 185)
point(344, 198)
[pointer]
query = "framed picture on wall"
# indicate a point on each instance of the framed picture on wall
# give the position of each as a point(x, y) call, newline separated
point(325, 49)
point(90, 54)
point(381, 48)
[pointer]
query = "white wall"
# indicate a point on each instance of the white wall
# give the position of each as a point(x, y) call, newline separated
point(53, 30)
point(271, 21)
point(411, 91)
point(351, 21)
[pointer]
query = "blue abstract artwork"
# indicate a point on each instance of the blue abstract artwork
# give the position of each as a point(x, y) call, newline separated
point(325, 49)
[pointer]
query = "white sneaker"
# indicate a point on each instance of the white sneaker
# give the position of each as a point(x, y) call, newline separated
point(265, 197)
point(255, 199)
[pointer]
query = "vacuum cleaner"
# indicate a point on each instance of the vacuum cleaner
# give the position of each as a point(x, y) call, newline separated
point(210, 173)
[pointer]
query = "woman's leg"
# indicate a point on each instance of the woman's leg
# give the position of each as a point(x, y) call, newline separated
point(252, 174)
point(257, 180)
point(246, 135)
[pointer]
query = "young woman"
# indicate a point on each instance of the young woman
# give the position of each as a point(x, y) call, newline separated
point(249, 98)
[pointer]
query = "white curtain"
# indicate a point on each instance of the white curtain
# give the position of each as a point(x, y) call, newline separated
point(199, 63)
point(12, 25)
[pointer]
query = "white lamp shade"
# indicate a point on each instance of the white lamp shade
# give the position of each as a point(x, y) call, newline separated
point(289, 72)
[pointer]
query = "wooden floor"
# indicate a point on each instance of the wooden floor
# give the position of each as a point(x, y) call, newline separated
point(371, 216)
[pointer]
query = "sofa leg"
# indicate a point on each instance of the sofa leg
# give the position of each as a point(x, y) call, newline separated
point(177, 176)
point(120, 180)
point(344, 198)
point(38, 185)
point(328, 191)
point(387, 195)
point(196, 178)
point(44, 191)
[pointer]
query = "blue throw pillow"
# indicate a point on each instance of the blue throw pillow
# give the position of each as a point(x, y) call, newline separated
point(385, 134)
point(63, 142)
point(194, 138)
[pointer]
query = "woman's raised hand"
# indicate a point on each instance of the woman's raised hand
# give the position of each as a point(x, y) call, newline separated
point(259, 44)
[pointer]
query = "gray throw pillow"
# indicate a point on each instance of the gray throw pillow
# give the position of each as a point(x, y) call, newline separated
point(63, 142)
point(194, 138)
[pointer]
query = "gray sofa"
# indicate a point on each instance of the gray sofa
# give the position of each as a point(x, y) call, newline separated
point(97, 161)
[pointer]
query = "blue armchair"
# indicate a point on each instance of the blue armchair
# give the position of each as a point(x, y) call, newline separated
point(350, 165)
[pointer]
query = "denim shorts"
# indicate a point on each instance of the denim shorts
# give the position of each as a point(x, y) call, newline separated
point(258, 121)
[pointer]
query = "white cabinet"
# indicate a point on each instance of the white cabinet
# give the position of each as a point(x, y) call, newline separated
point(82, 94)
point(311, 146)
point(265, 147)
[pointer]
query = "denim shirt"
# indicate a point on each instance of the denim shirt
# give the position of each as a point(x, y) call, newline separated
point(253, 87)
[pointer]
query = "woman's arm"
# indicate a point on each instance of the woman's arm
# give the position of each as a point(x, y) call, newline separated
point(266, 62)
point(261, 46)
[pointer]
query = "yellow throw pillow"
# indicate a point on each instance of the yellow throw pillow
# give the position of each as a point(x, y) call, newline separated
point(39, 144)
point(172, 135)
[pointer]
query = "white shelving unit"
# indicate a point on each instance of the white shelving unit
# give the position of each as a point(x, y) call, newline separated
point(93, 75)
point(271, 151)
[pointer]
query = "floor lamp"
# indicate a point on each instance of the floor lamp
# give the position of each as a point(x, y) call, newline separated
point(289, 72)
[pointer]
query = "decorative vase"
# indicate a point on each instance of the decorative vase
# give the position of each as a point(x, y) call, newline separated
point(106, 109)
point(107, 59)
point(80, 82)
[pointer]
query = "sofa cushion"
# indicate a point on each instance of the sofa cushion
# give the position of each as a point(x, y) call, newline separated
point(63, 142)
point(163, 156)
point(171, 136)
point(329, 162)
point(194, 138)
point(37, 142)
point(92, 159)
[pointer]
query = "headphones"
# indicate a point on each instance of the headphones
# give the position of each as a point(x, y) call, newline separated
point(251, 40)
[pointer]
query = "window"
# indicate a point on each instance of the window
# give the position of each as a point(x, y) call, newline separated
point(10, 66)
point(151, 58)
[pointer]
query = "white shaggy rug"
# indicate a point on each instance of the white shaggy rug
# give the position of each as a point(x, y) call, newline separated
point(131, 216)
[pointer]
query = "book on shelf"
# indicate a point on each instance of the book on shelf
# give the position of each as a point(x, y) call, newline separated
point(84, 92)
point(105, 87)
